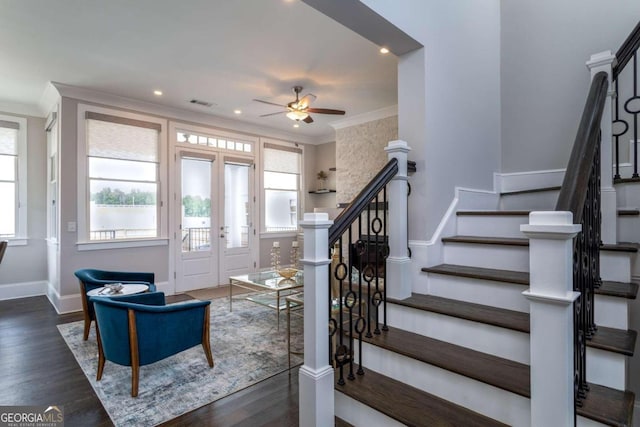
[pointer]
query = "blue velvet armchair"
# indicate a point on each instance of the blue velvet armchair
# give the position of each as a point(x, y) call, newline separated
point(136, 330)
point(91, 279)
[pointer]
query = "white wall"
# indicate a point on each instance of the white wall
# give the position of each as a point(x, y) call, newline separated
point(448, 100)
point(545, 44)
point(27, 264)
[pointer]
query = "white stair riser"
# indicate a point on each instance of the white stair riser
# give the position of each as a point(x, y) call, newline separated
point(487, 256)
point(539, 201)
point(486, 292)
point(603, 367)
point(628, 195)
point(479, 397)
point(628, 228)
point(359, 414)
point(615, 266)
point(485, 225)
point(489, 339)
point(606, 368)
point(609, 311)
point(612, 312)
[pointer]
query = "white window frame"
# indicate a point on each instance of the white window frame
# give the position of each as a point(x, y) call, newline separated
point(300, 207)
point(20, 238)
point(83, 240)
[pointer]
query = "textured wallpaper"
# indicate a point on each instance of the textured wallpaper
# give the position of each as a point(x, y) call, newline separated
point(360, 154)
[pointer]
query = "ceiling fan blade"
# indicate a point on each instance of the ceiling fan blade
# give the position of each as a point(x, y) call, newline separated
point(270, 103)
point(325, 111)
point(306, 100)
point(272, 114)
point(308, 119)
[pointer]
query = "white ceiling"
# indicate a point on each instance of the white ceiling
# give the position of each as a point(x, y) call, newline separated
point(222, 51)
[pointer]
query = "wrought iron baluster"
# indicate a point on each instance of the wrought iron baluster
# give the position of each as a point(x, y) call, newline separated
point(386, 254)
point(629, 108)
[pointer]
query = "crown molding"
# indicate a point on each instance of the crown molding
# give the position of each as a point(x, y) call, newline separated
point(370, 116)
point(171, 113)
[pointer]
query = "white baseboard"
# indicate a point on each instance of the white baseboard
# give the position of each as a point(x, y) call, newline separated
point(64, 304)
point(531, 180)
point(23, 290)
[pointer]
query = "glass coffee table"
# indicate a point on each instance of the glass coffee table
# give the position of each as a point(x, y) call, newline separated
point(267, 288)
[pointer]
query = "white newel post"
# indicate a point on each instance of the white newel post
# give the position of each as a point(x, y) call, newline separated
point(316, 375)
point(603, 61)
point(551, 299)
point(397, 272)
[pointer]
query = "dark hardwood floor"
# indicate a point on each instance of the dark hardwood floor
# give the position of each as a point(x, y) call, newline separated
point(37, 368)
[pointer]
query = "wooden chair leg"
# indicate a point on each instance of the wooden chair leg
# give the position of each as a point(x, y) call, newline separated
point(101, 358)
point(87, 326)
point(206, 343)
point(135, 356)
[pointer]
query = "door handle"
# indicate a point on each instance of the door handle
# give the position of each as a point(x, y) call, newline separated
point(222, 236)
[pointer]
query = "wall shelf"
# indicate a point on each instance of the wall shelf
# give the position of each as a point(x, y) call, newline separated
point(322, 191)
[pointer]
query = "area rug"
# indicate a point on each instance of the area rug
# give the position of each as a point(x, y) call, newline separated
point(247, 348)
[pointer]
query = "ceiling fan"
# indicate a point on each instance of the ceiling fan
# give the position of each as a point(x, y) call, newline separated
point(299, 109)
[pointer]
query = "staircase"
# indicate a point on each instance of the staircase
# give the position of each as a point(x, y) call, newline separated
point(456, 352)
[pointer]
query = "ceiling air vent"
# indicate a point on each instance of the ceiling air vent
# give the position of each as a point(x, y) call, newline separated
point(202, 103)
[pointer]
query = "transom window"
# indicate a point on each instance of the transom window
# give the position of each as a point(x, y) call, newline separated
point(212, 142)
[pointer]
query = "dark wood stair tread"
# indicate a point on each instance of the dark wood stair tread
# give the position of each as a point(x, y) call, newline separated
point(615, 340)
point(532, 190)
point(628, 212)
point(610, 339)
point(608, 406)
point(341, 423)
point(509, 319)
point(410, 405)
point(625, 180)
point(620, 247)
point(488, 240)
point(618, 289)
point(497, 275)
point(521, 241)
point(493, 213)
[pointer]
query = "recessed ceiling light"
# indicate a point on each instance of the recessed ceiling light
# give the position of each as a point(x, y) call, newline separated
point(296, 125)
point(157, 92)
point(237, 111)
point(384, 50)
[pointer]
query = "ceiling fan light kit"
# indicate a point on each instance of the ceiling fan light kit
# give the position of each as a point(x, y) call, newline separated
point(297, 115)
point(299, 109)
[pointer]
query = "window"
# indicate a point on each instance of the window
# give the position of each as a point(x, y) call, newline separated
point(13, 177)
point(281, 182)
point(122, 160)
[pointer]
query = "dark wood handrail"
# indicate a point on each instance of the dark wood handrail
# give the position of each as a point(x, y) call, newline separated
point(576, 179)
point(344, 220)
point(626, 51)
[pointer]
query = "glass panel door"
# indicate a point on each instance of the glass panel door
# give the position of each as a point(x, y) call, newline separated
point(237, 219)
point(196, 265)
